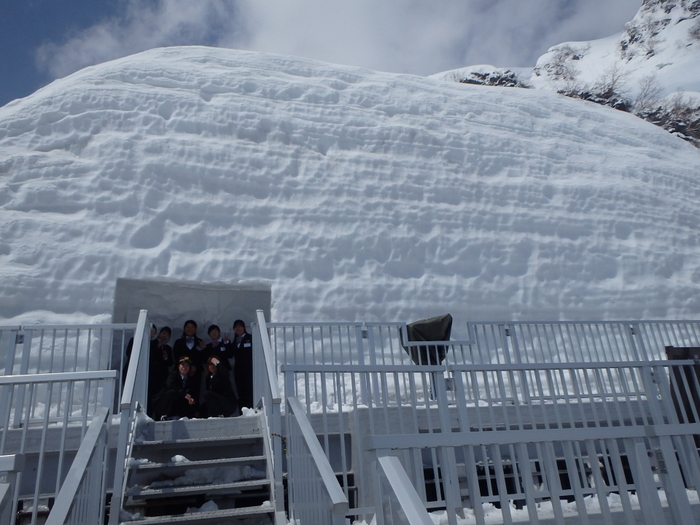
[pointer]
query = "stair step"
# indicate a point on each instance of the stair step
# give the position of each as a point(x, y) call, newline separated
point(144, 493)
point(186, 465)
point(205, 441)
point(212, 516)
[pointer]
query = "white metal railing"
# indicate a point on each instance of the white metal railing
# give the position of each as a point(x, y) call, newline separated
point(10, 467)
point(43, 349)
point(134, 399)
point(314, 493)
point(504, 342)
point(81, 500)
point(348, 403)
point(44, 415)
point(570, 342)
point(267, 391)
point(399, 503)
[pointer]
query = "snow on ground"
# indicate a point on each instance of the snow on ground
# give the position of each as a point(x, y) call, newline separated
point(354, 194)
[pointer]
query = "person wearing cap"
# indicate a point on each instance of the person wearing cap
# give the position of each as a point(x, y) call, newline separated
point(180, 397)
point(243, 366)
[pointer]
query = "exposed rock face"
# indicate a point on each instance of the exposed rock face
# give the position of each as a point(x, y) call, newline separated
point(651, 69)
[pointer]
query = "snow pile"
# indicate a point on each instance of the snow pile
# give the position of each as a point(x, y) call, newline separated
point(357, 195)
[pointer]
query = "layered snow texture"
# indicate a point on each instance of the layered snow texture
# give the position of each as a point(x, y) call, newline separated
point(659, 52)
point(356, 195)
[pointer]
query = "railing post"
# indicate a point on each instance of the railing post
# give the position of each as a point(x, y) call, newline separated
point(127, 410)
point(12, 465)
point(272, 404)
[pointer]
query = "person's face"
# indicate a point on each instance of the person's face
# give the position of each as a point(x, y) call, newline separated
point(153, 332)
point(190, 330)
point(212, 368)
point(239, 329)
point(214, 333)
point(164, 336)
point(184, 368)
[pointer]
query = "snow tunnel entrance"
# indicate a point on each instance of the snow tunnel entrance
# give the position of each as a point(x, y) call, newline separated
point(171, 303)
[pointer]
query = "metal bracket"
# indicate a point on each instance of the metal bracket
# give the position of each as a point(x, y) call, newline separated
point(657, 461)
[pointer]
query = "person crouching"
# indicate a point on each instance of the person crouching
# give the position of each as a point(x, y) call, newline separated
point(180, 397)
point(219, 398)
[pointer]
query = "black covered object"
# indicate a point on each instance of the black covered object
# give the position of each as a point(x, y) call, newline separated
point(433, 329)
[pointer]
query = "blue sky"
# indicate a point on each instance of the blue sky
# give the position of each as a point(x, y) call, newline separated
point(46, 39)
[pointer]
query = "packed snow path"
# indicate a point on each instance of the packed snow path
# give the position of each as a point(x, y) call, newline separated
point(355, 194)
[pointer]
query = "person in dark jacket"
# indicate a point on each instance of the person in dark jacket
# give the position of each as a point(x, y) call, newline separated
point(220, 347)
point(130, 347)
point(180, 397)
point(243, 366)
point(159, 366)
point(218, 398)
point(190, 345)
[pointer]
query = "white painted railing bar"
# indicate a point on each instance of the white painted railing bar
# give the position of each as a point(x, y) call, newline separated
point(134, 398)
point(57, 377)
point(11, 465)
point(36, 405)
point(266, 386)
point(404, 496)
point(314, 493)
point(81, 498)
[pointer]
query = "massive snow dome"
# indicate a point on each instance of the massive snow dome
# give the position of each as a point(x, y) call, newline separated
point(356, 195)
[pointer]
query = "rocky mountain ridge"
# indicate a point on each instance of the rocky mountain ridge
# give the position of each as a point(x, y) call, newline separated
point(651, 69)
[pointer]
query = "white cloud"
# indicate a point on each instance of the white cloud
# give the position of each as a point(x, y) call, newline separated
point(413, 36)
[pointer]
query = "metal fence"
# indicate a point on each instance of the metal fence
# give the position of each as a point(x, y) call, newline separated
point(81, 500)
point(314, 493)
point(399, 502)
point(522, 416)
point(42, 416)
point(44, 349)
point(133, 401)
point(502, 343)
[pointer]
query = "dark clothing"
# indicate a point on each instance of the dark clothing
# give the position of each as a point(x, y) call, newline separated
point(196, 353)
point(222, 351)
point(159, 366)
point(219, 398)
point(243, 369)
point(171, 402)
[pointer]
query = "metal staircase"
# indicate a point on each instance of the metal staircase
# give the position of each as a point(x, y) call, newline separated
point(200, 471)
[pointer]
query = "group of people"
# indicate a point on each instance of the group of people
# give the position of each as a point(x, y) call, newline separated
point(194, 378)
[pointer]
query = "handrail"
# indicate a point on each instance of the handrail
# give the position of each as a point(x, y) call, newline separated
point(405, 493)
point(271, 404)
point(57, 377)
point(12, 465)
point(339, 503)
point(134, 361)
point(128, 405)
point(269, 358)
point(69, 490)
point(108, 326)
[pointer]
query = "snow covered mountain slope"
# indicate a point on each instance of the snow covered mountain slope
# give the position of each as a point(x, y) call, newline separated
point(355, 194)
point(652, 69)
point(661, 42)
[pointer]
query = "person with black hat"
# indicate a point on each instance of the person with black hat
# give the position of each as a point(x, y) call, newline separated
point(180, 397)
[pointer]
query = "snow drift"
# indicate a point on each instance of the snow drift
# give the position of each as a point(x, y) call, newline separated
point(355, 194)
